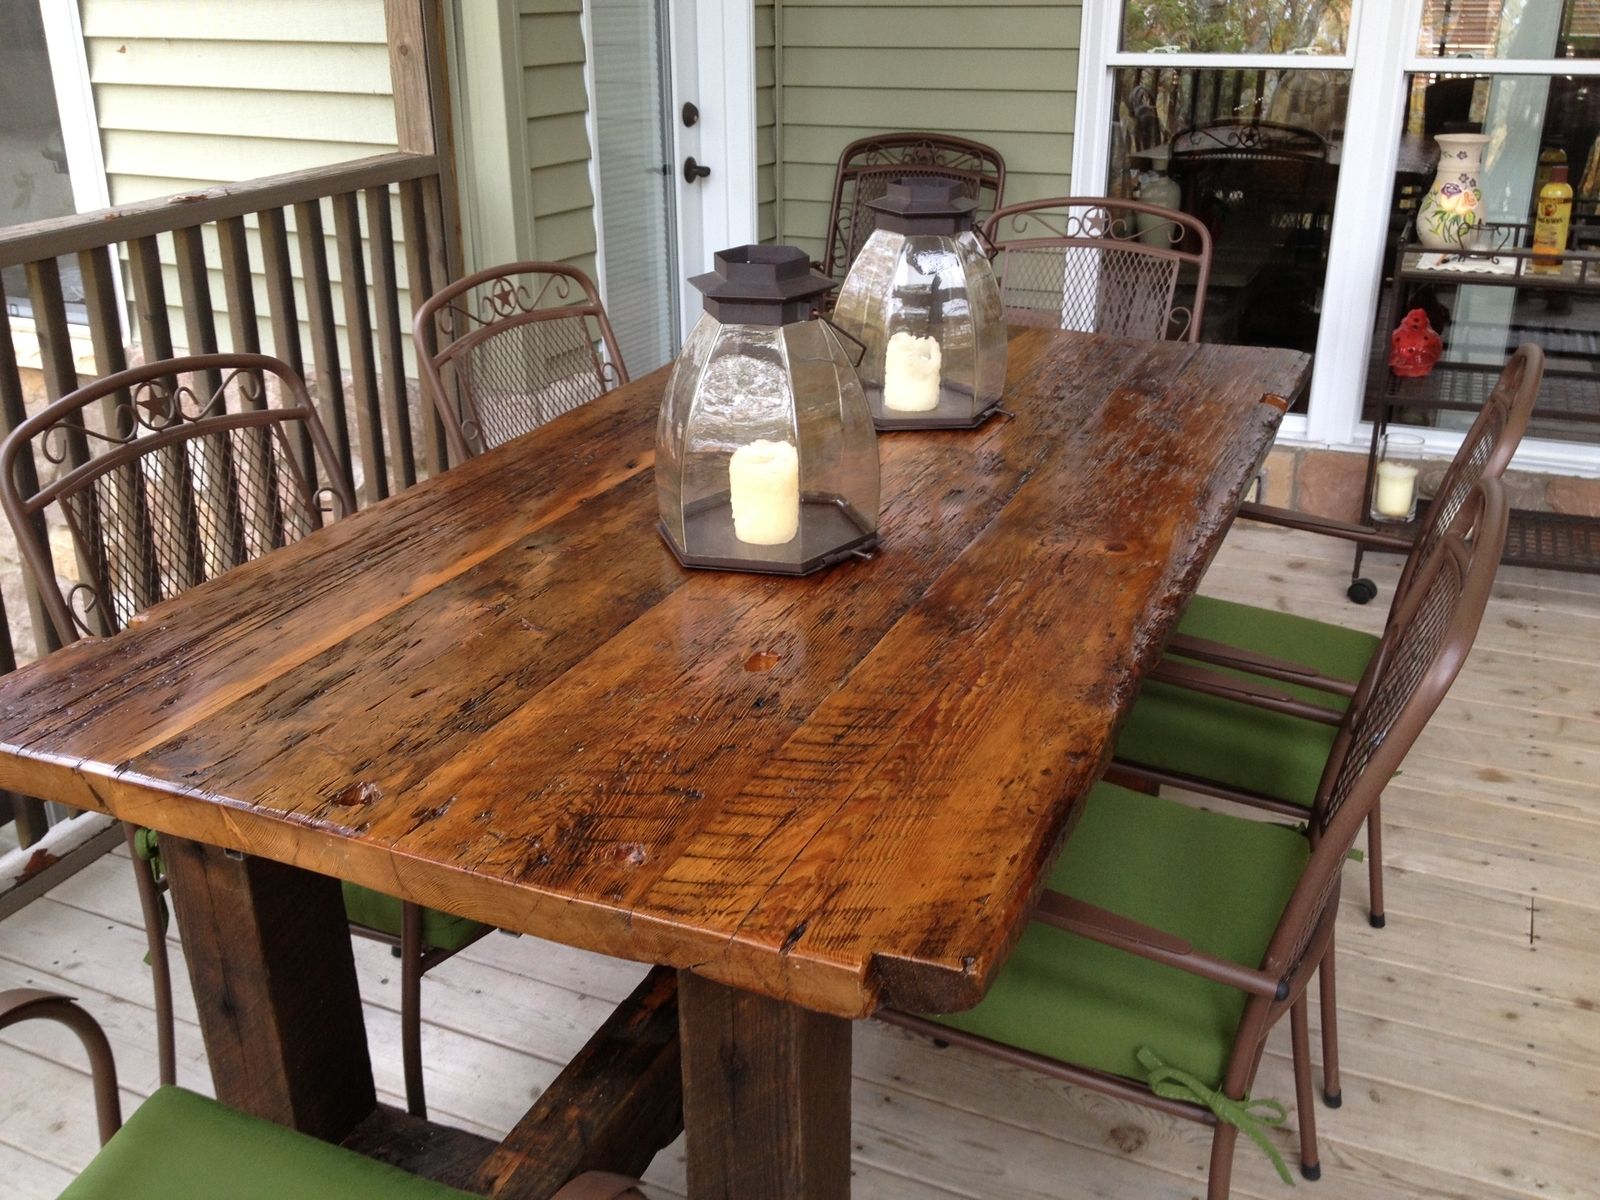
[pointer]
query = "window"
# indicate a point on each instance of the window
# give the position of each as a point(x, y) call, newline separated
point(49, 143)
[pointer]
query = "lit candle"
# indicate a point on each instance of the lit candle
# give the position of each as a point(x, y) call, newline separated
point(764, 490)
point(911, 373)
point(1397, 490)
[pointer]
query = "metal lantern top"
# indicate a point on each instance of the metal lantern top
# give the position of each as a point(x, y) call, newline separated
point(762, 285)
point(924, 205)
point(922, 299)
point(766, 459)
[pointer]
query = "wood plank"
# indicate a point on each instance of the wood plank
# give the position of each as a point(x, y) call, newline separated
point(268, 950)
point(449, 1156)
point(238, 286)
point(328, 386)
point(389, 332)
point(612, 1108)
point(576, 632)
point(416, 233)
point(146, 218)
point(358, 337)
point(766, 1089)
point(13, 411)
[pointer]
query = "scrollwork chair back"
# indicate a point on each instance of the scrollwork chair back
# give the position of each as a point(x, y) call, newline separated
point(507, 349)
point(1078, 262)
point(869, 165)
point(165, 476)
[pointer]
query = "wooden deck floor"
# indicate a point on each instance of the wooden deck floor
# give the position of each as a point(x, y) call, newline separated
point(1471, 1030)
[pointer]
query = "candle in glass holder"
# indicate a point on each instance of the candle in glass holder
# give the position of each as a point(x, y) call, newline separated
point(764, 491)
point(911, 373)
point(1396, 494)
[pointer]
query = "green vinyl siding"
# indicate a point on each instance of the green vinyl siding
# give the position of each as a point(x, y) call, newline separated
point(766, 121)
point(1001, 73)
point(555, 103)
point(192, 93)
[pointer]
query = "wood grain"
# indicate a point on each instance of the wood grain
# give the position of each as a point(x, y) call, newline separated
point(498, 694)
point(612, 1108)
point(268, 948)
point(768, 1086)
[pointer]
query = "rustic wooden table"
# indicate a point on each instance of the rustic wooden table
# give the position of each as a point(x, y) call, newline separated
point(498, 694)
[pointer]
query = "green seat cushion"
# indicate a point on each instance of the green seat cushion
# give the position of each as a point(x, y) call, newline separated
point(1217, 881)
point(1172, 728)
point(1332, 649)
point(375, 910)
point(180, 1146)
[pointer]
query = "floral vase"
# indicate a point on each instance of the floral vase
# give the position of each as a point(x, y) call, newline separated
point(1453, 206)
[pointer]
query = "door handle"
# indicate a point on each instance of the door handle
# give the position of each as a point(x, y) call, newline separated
point(693, 170)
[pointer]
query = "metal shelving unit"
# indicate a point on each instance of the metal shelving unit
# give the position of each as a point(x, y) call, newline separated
point(1570, 393)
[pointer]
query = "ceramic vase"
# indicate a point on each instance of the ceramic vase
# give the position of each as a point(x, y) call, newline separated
point(1453, 206)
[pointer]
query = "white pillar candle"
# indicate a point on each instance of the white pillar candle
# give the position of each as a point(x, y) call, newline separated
point(911, 373)
point(764, 490)
point(1397, 489)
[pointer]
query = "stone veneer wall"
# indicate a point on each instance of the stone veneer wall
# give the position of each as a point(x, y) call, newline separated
point(1329, 483)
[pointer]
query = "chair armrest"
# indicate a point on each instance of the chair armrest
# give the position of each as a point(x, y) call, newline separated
point(1291, 518)
point(1220, 654)
point(27, 1004)
point(599, 1185)
point(1101, 925)
point(1244, 691)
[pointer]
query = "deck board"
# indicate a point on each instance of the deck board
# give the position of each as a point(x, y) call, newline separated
point(1472, 1023)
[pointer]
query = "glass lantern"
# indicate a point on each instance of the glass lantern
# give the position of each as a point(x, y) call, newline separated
point(922, 297)
point(766, 459)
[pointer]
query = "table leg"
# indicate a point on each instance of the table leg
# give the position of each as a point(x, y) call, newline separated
point(268, 948)
point(766, 1096)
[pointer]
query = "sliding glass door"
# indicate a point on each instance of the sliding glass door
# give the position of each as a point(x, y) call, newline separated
point(1302, 133)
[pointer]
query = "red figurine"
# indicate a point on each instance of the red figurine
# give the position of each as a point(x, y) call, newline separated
point(1414, 347)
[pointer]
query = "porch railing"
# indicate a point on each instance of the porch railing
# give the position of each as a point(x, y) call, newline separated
point(152, 274)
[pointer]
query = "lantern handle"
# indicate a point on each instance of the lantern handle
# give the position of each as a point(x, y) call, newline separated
point(861, 347)
point(985, 243)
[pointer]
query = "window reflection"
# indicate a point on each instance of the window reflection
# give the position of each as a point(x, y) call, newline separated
point(34, 183)
point(1236, 26)
point(1510, 29)
point(1254, 154)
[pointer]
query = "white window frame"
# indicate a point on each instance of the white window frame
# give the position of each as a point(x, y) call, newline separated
point(1380, 56)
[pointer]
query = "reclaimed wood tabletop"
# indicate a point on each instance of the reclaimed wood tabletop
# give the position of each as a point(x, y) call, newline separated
point(498, 694)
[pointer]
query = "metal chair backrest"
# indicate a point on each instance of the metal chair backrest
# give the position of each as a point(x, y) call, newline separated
point(1485, 453)
point(1420, 656)
point(869, 165)
point(167, 475)
point(518, 345)
point(1247, 139)
point(1079, 262)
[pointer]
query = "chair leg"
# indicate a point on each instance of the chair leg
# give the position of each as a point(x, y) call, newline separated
point(411, 950)
point(1305, 1105)
point(1375, 866)
point(1224, 1138)
point(1332, 1092)
point(160, 967)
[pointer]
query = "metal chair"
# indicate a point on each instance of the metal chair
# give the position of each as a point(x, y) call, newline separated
point(168, 475)
point(1088, 263)
point(1172, 939)
point(507, 349)
point(1274, 761)
point(181, 1146)
point(867, 166)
